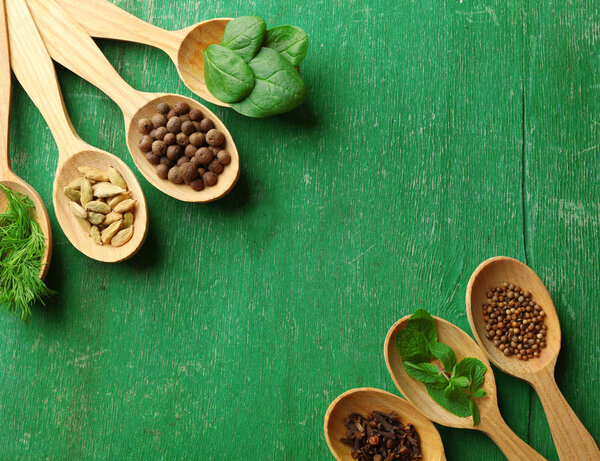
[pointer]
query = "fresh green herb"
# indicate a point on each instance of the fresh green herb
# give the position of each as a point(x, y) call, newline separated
point(290, 41)
point(228, 77)
point(453, 385)
point(278, 87)
point(245, 36)
point(22, 247)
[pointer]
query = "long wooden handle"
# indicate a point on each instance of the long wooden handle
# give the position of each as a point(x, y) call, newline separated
point(573, 441)
point(5, 88)
point(34, 69)
point(69, 44)
point(105, 20)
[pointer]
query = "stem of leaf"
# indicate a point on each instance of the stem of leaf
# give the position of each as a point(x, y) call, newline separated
point(441, 367)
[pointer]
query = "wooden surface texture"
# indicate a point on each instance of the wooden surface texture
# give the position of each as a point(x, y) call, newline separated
point(436, 133)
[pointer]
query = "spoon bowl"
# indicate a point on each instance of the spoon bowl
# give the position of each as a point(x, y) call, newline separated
point(363, 401)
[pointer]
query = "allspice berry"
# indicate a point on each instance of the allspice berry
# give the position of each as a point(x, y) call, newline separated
point(182, 108)
point(188, 171)
point(215, 138)
point(174, 125)
point(184, 118)
point(201, 171)
point(159, 147)
point(197, 184)
point(190, 151)
point(215, 166)
point(206, 124)
point(152, 158)
point(173, 152)
point(195, 115)
point(163, 108)
point(204, 156)
point(159, 120)
point(210, 179)
point(171, 114)
point(198, 127)
point(145, 143)
point(164, 160)
point(197, 139)
point(174, 175)
point(145, 126)
point(169, 139)
point(182, 139)
point(160, 133)
point(181, 160)
point(162, 171)
point(188, 127)
point(224, 157)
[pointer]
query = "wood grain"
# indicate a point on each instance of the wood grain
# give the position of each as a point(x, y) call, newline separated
point(239, 321)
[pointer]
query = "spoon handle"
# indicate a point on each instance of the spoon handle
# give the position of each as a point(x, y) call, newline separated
point(105, 20)
point(573, 441)
point(69, 44)
point(35, 71)
point(5, 87)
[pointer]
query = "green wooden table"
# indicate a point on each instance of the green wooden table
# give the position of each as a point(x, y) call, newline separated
point(436, 134)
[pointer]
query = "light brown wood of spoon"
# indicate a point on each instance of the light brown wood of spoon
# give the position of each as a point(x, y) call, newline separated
point(415, 392)
point(103, 19)
point(69, 44)
point(572, 440)
point(7, 176)
point(365, 400)
point(34, 69)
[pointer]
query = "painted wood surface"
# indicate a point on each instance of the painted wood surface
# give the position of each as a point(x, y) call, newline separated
point(436, 133)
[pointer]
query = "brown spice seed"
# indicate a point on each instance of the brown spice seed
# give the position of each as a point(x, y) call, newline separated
point(215, 138)
point(162, 171)
point(145, 143)
point(145, 126)
point(174, 125)
point(195, 115)
point(188, 127)
point(173, 152)
point(163, 108)
point(206, 124)
point(174, 175)
point(182, 107)
point(159, 120)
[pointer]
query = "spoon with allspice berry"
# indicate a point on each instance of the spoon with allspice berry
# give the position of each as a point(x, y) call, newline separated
point(515, 322)
point(192, 155)
point(386, 410)
point(8, 178)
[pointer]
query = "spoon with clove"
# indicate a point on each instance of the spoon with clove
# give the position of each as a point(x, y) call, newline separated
point(8, 178)
point(365, 400)
point(572, 440)
point(491, 423)
point(34, 70)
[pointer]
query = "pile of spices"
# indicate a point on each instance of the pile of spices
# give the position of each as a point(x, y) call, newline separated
point(102, 204)
point(381, 437)
point(22, 247)
point(514, 322)
point(184, 146)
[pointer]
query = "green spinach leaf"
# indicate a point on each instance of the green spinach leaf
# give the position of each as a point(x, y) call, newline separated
point(227, 76)
point(290, 41)
point(278, 86)
point(245, 35)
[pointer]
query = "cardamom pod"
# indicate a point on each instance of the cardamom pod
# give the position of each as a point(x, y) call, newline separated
point(95, 234)
point(127, 220)
point(122, 237)
point(96, 218)
point(124, 206)
point(98, 207)
point(85, 224)
point(75, 183)
point(107, 190)
point(95, 174)
point(86, 192)
point(116, 178)
point(113, 202)
point(113, 217)
point(110, 231)
point(73, 194)
point(78, 210)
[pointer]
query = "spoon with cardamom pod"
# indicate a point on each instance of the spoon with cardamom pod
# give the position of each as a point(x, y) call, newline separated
point(34, 70)
point(8, 178)
point(69, 44)
point(572, 440)
point(365, 400)
point(491, 423)
point(185, 47)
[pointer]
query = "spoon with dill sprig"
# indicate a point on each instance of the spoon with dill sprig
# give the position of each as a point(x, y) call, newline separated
point(25, 232)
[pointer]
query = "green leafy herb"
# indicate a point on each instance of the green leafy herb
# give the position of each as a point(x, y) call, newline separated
point(22, 247)
point(245, 36)
point(451, 384)
point(278, 87)
point(227, 75)
point(290, 41)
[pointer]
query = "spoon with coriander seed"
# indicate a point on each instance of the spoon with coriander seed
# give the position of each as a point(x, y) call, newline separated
point(521, 311)
point(185, 47)
point(416, 392)
point(34, 69)
point(213, 169)
point(364, 401)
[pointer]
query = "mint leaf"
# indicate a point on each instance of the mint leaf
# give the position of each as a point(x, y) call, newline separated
point(479, 393)
point(473, 369)
point(475, 412)
point(423, 322)
point(460, 382)
point(444, 353)
point(412, 345)
point(427, 373)
point(453, 400)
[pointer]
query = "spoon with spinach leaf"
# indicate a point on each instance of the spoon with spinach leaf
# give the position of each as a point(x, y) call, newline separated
point(457, 387)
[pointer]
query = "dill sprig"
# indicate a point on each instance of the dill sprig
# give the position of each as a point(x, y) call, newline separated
point(22, 247)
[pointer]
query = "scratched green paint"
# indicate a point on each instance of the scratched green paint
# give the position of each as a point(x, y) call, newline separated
point(436, 133)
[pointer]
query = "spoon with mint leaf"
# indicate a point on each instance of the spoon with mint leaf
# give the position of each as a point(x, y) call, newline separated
point(441, 370)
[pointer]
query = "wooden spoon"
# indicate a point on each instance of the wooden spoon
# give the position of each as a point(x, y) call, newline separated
point(103, 19)
point(415, 392)
point(7, 176)
point(69, 44)
point(34, 69)
point(572, 440)
point(363, 401)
